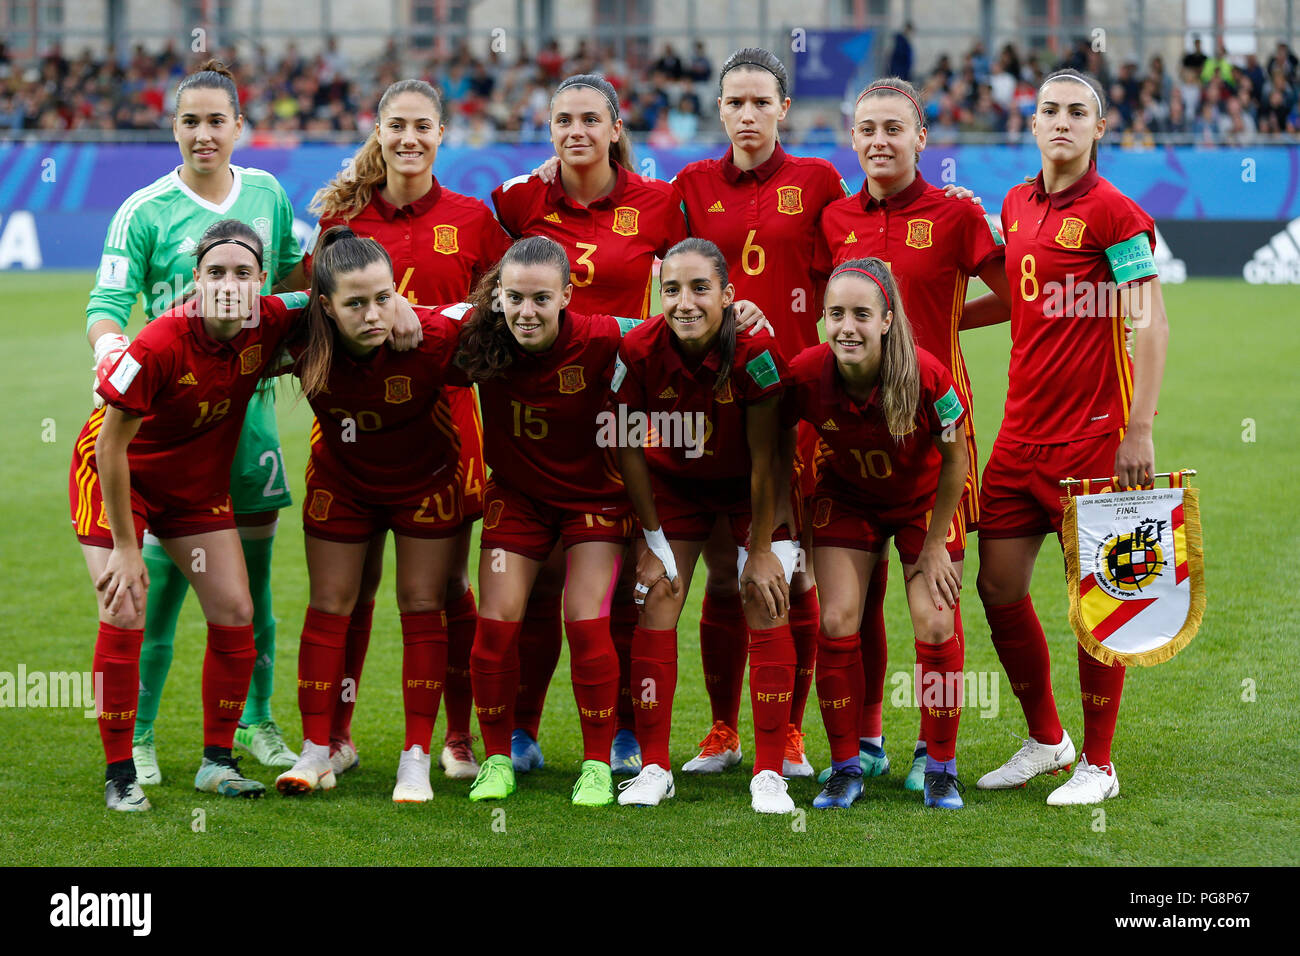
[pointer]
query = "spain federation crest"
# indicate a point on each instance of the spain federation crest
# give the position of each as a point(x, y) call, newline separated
point(250, 360)
point(571, 380)
point(1070, 234)
point(625, 218)
point(397, 389)
point(789, 200)
point(919, 233)
point(319, 507)
point(445, 240)
point(724, 397)
point(1135, 574)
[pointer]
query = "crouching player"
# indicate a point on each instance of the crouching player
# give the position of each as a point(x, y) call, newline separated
point(894, 432)
point(159, 455)
point(384, 454)
point(689, 373)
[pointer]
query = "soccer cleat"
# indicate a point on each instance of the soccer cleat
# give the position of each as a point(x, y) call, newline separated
point(124, 793)
point(525, 753)
point(916, 776)
point(495, 780)
point(625, 754)
point(842, 790)
point(1090, 783)
point(943, 790)
point(222, 776)
point(457, 760)
point(343, 756)
point(265, 742)
point(719, 750)
point(314, 770)
point(146, 760)
point(649, 788)
point(413, 777)
point(595, 785)
point(1028, 762)
point(871, 758)
point(796, 762)
point(769, 793)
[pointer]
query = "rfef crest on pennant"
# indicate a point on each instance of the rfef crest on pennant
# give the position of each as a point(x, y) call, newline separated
point(789, 200)
point(919, 233)
point(571, 380)
point(444, 240)
point(1071, 233)
point(625, 218)
point(397, 389)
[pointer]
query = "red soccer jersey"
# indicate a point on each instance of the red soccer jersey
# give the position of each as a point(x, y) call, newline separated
point(440, 244)
point(932, 243)
point(381, 429)
point(192, 392)
point(540, 417)
point(611, 244)
point(862, 462)
point(1070, 374)
point(693, 432)
point(765, 222)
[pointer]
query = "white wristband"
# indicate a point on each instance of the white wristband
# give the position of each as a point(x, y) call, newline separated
point(659, 546)
point(109, 342)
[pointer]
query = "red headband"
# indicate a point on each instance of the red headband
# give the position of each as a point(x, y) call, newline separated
point(893, 89)
point(870, 276)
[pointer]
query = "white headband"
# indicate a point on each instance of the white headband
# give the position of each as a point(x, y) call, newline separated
point(1078, 79)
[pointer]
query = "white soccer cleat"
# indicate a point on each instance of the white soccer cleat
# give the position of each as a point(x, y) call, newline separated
point(1028, 762)
point(311, 771)
point(457, 760)
point(124, 793)
point(413, 777)
point(343, 756)
point(1089, 784)
point(719, 750)
point(769, 793)
point(649, 788)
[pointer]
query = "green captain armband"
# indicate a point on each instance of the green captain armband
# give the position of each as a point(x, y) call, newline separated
point(1131, 259)
point(626, 325)
point(293, 300)
point(762, 370)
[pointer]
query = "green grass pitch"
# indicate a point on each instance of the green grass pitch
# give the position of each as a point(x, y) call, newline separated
point(1206, 749)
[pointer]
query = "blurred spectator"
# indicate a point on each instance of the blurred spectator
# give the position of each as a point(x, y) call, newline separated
point(669, 63)
point(701, 69)
point(1219, 66)
point(1284, 60)
point(900, 59)
point(1195, 60)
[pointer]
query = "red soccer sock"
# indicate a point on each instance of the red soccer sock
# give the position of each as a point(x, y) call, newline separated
point(839, 691)
point(1102, 686)
point(462, 619)
point(940, 693)
point(354, 658)
point(540, 639)
point(724, 646)
point(622, 624)
point(1022, 648)
point(805, 625)
point(654, 660)
point(875, 653)
point(494, 671)
point(424, 671)
point(594, 667)
point(117, 658)
point(321, 654)
point(771, 687)
point(227, 669)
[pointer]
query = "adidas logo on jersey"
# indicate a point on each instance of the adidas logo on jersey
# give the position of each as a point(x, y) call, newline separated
point(187, 246)
point(830, 426)
point(668, 393)
point(187, 379)
point(552, 217)
point(717, 207)
point(1277, 263)
point(851, 237)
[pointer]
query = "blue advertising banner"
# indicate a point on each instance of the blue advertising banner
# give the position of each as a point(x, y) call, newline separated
point(826, 62)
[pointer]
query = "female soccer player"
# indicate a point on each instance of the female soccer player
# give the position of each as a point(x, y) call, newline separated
point(543, 373)
point(149, 250)
point(933, 244)
point(384, 454)
point(1077, 406)
point(711, 399)
point(159, 456)
point(894, 465)
point(440, 243)
point(761, 207)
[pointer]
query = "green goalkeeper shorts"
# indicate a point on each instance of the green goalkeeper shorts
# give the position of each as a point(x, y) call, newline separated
point(257, 478)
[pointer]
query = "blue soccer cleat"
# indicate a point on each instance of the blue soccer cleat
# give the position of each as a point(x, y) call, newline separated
point(943, 790)
point(525, 754)
point(842, 790)
point(871, 758)
point(916, 776)
point(625, 754)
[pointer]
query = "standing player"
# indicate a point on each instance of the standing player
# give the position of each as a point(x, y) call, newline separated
point(149, 250)
point(440, 243)
point(384, 454)
point(761, 207)
point(713, 453)
point(1076, 406)
point(159, 456)
point(895, 465)
point(932, 243)
point(543, 375)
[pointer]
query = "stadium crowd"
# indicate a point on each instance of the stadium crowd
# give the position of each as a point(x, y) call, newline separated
point(1210, 100)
